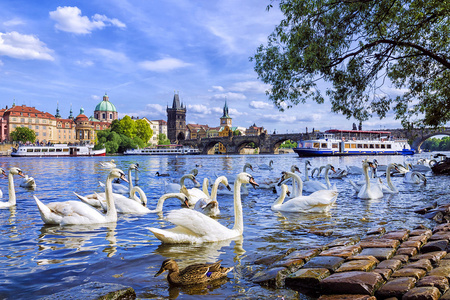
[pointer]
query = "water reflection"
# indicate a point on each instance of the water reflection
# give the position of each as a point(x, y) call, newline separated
point(74, 240)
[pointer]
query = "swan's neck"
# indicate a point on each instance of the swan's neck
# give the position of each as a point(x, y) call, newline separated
point(130, 183)
point(280, 199)
point(163, 198)
point(182, 180)
point(238, 217)
point(11, 190)
point(306, 173)
point(366, 176)
point(299, 182)
point(388, 178)
point(205, 187)
point(245, 168)
point(327, 180)
point(142, 197)
point(215, 188)
point(111, 214)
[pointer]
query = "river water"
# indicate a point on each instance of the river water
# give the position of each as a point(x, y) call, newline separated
point(38, 260)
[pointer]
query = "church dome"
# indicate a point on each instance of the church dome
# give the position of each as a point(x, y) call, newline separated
point(105, 105)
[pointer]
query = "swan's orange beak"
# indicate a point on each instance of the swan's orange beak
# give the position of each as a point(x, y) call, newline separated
point(253, 183)
point(123, 178)
point(186, 202)
point(3, 172)
point(21, 173)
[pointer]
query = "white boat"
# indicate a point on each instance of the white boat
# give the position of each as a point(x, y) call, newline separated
point(56, 150)
point(171, 150)
point(337, 142)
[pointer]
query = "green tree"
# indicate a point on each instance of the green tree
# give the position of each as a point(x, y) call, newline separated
point(116, 126)
point(23, 134)
point(128, 126)
point(143, 130)
point(359, 46)
point(237, 133)
point(163, 140)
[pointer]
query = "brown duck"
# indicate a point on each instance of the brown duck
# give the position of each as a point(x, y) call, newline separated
point(193, 274)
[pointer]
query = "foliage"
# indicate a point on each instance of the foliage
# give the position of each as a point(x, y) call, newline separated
point(23, 134)
point(143, 130)
point(288, 144)
point(359, 46)
point(128, 126)
point(163, 140)
point(435, 144)
point(237, 132)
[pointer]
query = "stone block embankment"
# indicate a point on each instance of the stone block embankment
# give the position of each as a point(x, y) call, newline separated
point(402, 264)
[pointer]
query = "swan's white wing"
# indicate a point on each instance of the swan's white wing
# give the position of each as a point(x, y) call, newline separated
point(196, 222)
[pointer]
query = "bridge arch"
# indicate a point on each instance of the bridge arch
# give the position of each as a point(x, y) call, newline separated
point(417, 143)
point(242, 144)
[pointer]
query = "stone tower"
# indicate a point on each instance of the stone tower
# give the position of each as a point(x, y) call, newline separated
point(176, 121)
point(225, 120)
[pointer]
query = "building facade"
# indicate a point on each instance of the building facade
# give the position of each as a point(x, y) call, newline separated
point(176, 121)
point(105, 111)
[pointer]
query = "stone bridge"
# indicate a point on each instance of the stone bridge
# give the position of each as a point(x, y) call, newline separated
point(270, 143)
point(267, 143)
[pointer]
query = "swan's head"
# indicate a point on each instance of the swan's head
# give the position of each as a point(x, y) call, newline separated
point(134, 167)
point(224, 180)
point(248, 165)
point(169, 265)
point(331, 167)
point(16, 171)
point(284, 177)
point(308, 163)
point(194, 172)
point(192, 177)
point(117, 173)
point(3, 172)
point(247, 178)
point(294, 168)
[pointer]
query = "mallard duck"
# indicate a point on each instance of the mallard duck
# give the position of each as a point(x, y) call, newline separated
point(193, 274)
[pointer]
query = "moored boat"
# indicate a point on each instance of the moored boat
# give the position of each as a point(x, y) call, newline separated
point(57, 150)
point(163, 150)
point(335, 142)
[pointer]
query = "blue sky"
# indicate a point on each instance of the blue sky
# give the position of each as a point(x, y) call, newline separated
point(140, 53)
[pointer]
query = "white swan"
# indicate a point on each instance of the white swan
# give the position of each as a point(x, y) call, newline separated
point(209, 206)
point(28, 182)
point(231, 178)
point(271, 183)
point(176, 187)
point(414, 177)
point(107, 164)
point(369, 190)
point(390, 188)
point(194, 227)
point(266, 166)
point(126, 205)
point(319, 201)
point(11, 190)
point(119, 188)
point(311, 186)
point(76, 212)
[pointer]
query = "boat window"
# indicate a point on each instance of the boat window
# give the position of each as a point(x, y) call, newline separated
point(65, 150)
point(334, 145)
point(371, 146)
point(347, 145)
point(59, 150)
point(37, 150)
point(359, 146)
point(377, 146)
point(44, 150)
point(353, 145)
point(389, 146)
point(51, 150)
point(383, 146)
point(324, 145)
point(29, 150)
point(316, 145)
point(366, 146)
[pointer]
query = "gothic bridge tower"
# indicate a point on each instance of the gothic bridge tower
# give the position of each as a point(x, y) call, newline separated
point(176, 121)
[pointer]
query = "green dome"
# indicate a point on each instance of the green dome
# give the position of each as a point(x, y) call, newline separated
point(105, 105)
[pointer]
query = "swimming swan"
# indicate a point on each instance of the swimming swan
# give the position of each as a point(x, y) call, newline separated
point(11, 191)
point(28, 182)
point(414, 177)
point(107, 164)
point(266, 166)
point(311, 186)
point(118, 188)
point(369, 190)
point(76, 212)
point(319, 201)
point(175, 187)
point(209, 206)
point(194, 227)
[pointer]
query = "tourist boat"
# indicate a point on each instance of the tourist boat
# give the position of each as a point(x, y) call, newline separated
point(57, 150)
point(163, 150)
point(337, 142)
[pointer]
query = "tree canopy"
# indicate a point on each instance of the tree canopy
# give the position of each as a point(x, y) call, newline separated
point(361, 48)
point(23, 134)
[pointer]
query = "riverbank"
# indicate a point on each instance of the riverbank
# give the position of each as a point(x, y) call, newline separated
point(399, 264)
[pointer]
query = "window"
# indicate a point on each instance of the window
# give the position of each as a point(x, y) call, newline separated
point(37, 126)
point(37, 150)
point(316, 145)
point(22, 120)
point(389, 146)
point(103, 116)
point(359, 146)
point(334, 145)
point(110, 116)
point(371, 146)
point(30, 120)
point(324, 145)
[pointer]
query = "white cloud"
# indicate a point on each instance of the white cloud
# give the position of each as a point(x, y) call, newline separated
point(95, 97)
point(164, 65)
point(229, 96)
point(198, 109)
point(260, 105)
point(24, 46)
point(250, 86)
point(155, 109)
point(218, 88)
point(84, 63)
point(69, 19)
point(109, 55)
point(13, 22)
